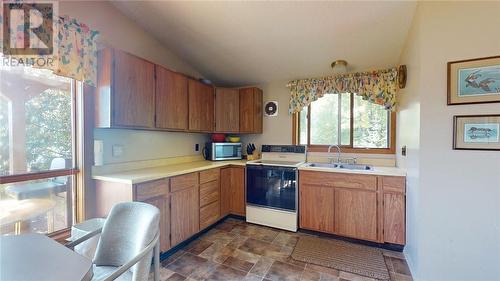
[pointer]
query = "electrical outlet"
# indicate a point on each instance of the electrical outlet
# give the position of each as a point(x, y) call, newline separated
point(403, 150)
point(117, 150)
point(197, 147)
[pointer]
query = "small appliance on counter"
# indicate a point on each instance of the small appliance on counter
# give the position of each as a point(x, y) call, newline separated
point(218, 151)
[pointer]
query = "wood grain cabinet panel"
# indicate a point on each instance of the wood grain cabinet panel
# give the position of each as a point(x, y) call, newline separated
point(209, 175)
point(233, 191)
point(394, 218)
point(156, 193)
point(251, 110)
point(184, 214)
point(171, 100)
point(316, 207)
point(356, 214)
point(209, 192)
point(209, 214)
point(184, 181)
point(201, 106)
point(227, 110)
point(132, 91)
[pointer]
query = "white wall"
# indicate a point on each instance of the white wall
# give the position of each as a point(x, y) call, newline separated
point(120, 32)
point(454, 221)
point(277, 129)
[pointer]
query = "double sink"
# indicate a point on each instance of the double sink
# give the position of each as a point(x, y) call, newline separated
point(341, 166)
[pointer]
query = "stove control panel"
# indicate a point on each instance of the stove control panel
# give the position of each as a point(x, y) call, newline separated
point(284, 148)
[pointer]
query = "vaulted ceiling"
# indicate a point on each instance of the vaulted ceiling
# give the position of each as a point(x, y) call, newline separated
point(244, 43)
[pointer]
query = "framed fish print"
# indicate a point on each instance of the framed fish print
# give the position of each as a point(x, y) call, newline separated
point(474, 81)
point(476, 132)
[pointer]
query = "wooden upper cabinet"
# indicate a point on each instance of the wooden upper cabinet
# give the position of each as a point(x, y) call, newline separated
point(125, 92)
point(171, 100)
point(201, 106)
point(227, 110)
point(251, 110)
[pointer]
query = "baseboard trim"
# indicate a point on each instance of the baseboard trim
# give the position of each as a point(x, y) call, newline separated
point(386, 246)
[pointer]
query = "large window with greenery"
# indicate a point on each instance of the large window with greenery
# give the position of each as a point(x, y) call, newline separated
point(37, 154)
point(346, 120)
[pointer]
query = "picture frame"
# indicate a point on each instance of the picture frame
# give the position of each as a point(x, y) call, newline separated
point(473, 81)
point(476, 132)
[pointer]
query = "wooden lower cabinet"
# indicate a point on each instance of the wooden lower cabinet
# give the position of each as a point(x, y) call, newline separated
point(233, 191)
point(184, 209)
point(156, 193)
point(356, 213)
point(316, 207)
point(365, 207)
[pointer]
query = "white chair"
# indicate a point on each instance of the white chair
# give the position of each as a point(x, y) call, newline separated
point(128, 239)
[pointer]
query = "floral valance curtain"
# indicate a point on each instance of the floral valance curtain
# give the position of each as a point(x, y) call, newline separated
point(379, 87)
point(75, 55)
point(74, 49)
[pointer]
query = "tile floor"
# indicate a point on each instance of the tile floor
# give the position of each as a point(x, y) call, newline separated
point(235, 250)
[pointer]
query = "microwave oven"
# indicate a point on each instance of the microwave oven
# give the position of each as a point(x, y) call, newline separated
point(216, 151)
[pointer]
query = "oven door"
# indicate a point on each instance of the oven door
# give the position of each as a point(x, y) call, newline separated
point(272, 187)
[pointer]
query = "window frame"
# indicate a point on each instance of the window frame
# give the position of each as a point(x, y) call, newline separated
point(77, 193)
point(345, 148)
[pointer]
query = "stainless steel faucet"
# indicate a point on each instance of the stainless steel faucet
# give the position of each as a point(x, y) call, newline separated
point(338, 152)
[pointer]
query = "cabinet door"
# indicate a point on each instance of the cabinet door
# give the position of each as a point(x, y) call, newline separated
point(356, 213)
point(201, 106)
point(133, 91)
point(161, 202)
point(394, 218)
point(250, 110)
point(246, 110)
point(171, 100)
point(156, 194)
point(225, 188)
point(238, 191)
point(184, 214)
point(316, 207)
point(233, 191)
point(227, 110)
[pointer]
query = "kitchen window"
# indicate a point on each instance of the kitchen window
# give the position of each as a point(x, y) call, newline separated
point(347, 120)
point(38, 151)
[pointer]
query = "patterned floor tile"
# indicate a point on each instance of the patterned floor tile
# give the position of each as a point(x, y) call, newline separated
point(198, 246)
point(284, 271)
point(222, 272)
point(262, 266)
point(400, 266)
point(235, 250)
point(186, 264)
point(238, 264)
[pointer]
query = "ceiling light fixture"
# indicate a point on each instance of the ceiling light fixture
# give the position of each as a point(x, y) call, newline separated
point(339, 67)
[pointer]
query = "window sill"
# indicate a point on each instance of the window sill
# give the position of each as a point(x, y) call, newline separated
point(61, 235)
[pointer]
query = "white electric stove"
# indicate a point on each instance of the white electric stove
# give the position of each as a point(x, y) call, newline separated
point(271, 186)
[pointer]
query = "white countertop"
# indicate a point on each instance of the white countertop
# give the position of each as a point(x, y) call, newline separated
point(159, 172)
point(155, 173)
point(379, 171)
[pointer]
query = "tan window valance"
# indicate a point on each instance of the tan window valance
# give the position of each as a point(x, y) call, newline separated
point(379, 87)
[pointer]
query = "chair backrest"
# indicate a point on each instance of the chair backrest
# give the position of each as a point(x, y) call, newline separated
point(56, 164)
point(129, 228)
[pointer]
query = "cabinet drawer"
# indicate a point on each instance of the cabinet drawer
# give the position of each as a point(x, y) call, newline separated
point(209, 175)
point(209, 192)
point(339, 180)
point(209, 214)
point(393, 184)
point(183, 182)
point(151, 189)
